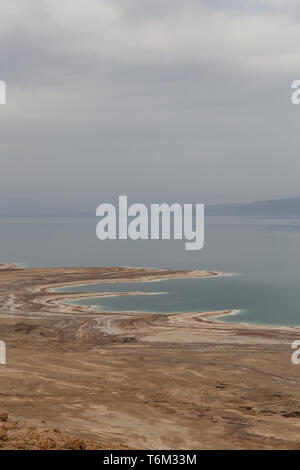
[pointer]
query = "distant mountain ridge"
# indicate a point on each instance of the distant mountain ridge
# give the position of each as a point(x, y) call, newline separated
point(270, 208)
point(289, 207)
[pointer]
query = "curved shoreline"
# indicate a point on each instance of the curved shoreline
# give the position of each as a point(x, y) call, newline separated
point(43, 295)
point(148, 381)
point(206, 314)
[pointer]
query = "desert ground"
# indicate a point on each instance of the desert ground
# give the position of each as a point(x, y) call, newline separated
point(77, 378)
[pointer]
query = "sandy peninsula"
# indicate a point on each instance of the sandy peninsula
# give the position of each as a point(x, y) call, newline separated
point(77, 378)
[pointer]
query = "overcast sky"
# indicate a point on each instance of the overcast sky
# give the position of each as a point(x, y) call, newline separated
point(161, 100)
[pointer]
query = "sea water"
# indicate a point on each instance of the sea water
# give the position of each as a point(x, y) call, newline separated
point(263, 255)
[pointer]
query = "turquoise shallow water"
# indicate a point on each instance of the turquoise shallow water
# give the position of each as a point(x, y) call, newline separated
point(263, 253)
point(260, 303)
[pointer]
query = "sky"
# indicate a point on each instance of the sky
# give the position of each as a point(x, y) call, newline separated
point(159, 100)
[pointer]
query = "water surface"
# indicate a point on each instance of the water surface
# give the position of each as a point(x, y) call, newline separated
point(263, 255)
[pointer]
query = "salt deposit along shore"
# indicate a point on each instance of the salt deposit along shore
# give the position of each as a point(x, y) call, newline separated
point(135, 380)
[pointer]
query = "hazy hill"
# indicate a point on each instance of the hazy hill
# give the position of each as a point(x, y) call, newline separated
point(273, 208)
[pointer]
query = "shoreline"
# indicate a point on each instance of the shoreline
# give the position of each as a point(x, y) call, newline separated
point(142, 381)
point(207, 314)
point(56, 300)
point(157, 275)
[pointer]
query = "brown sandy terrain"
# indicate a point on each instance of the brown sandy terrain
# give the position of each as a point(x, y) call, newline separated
point(139, 380)
point(17, 436)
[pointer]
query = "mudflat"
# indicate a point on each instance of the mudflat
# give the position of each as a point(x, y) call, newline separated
point(134, 380)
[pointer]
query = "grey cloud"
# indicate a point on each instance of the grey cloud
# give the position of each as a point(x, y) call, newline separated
point(158, 100)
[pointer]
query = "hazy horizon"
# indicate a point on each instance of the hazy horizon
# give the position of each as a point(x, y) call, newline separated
point(281, 207)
